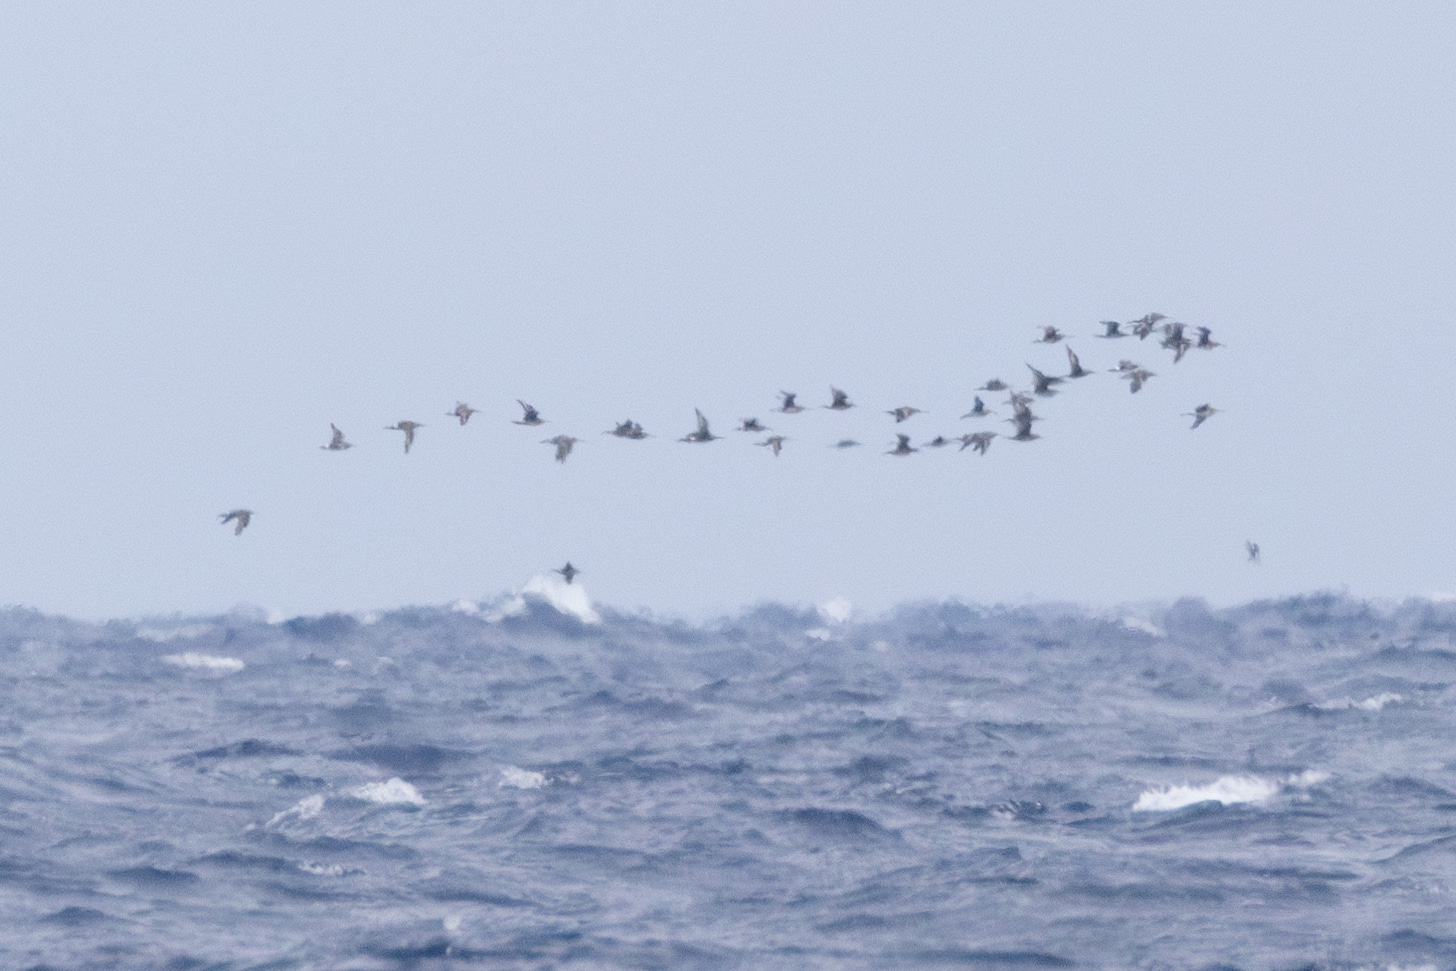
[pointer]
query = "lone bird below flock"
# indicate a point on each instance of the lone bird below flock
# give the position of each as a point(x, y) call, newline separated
point(241, 516)
point(563, 445)
point(408, 427)
point(337, 443)
point(567, 571)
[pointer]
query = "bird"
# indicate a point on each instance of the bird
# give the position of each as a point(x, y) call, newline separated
point(567, 571)
point(840, 400)
point(1077, 370)
point(1114, 329)
point(531, 416)
point(980, 441)
point(1253, 550)
point(1123, 366)
point(337, 443)
point(701, 434)
point(1174, 340)
point(1144, 325)
point(1138, 377)
point(408, 427)
point(1200, 414)
point(774, 442)
point(978, 410)
point(1023, 429)
point(995, 384)
point(902, 447)
point(902, 413)
point(789, 406)
point(563, 445)
point(1050, 335)
point(1205, 341)
point(462, 411)
point(242, 516)
point(845, 443)
point(1041, 383)
point(752, 425)
point(628, 429)
point(939, 441)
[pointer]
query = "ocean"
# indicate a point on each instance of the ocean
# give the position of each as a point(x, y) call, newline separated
point(540, 782)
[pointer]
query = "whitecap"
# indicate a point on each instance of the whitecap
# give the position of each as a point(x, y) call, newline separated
point(1373, 703)
point(306, 808)
point(1229, 790)
point(395, 792)
point(569, 598)
point(518, 778)
point(160, 636)
point(1134, 623)
point(468, 607)
point(205, 662)
point(835, 611)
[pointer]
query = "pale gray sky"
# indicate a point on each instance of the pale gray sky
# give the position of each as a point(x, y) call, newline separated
point(228, 225)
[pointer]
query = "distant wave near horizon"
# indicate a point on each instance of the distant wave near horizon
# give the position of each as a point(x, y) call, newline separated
point(541, 781)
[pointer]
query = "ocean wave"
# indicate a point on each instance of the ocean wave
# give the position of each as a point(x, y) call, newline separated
point(394, 792)
point(1229, 790)
point(1374, 703)
point(205, 662)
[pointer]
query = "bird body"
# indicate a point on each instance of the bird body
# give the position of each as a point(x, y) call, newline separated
point(839, 400)
point(978, 410)
point(241, 516)
point(462, 411)
point(902, 447)
point(789, 405)
point(752, 425)
point(1114, 329)
point(1200, 414)
point(1253, 550)
point(628, 429)
point(531, 416)
point(563, 445)
point(568, 571)
point(775, 442)
point(1077, 370)
point(1050, 335)
point(701, 434)
point(1042, 383)
point(337, 443)
point(980, 441)
point(408, 427)
point(903, 413)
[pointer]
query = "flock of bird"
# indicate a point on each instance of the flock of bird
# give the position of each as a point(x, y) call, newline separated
point(1174, 337)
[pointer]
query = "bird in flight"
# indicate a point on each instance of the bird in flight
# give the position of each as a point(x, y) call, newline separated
point(1200, 414)
point(902, 447)
point(1041, 383)
point(462, 411)
point(752, 425)
point(775, 442)
point(241, 516)
point(978, 410)
point(995, 384)
point(408, 427)
point(563, 445)
point(980, 441)
point(628, 429)
point(789, 406)
point(1050, 335)
point(567, 571)
point(701, 434)
point(1253, 550)
point(845, 443)
point(1078, 371)
point(903, 413)
point(1138, 377)
point(840, 400)
point(1114, 329)
point(337, 443)
point(531, 416)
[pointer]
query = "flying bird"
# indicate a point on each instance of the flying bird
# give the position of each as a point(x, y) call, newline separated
point(939, 441)
point(1200, 414)
point(1123, 366)
point(241, 516)
point(995, 384)
point(902, 413)
point(978, 410)
point(567, 571)
point(462, 411)
point(980, 441)
point(774, 442)
point(1205, 341)
point(1041, 383)
point(701, 434)
point(563, 445)
point(1050, 335)
point(841, 400)
point(845, 443)
point(531, 416)
point(628, 429)
point(337, 443)
point(1253, 550)
point(752, 425)
point(902, 447)
point(1023, 429)
point(408, 427)
point(1114, 329)
point(1138, 377)
point(1144, 325)
point(1077, 370)
point(789, 406)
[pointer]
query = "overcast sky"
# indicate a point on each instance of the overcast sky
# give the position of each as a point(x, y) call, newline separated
point(228, 225)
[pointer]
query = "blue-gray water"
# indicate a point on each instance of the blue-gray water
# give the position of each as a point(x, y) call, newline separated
point(1270, 786)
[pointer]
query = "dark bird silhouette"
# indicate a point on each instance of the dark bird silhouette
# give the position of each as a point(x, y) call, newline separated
point(1041, 383)
point(978, 410)
point(1253, 550)
point(995, 384)
point(753, 425)
point(903, 447)
point(628, 429)
point(1205, 340)
point(531, 416)
point(774, 442)
point(840, 400)
point(789, 406)
point(1138, 377)
point(701, 434)
point(845, 443)
point(568, 571)
point(980, 441)
point(1077, 370)
point(1144, 325)
point(902, 413)
point(337, 443)
point(408, 427)
point(939, 441)
point(241, 516)
point(1200, 414)
point(1050, 335)
point(1114, 329)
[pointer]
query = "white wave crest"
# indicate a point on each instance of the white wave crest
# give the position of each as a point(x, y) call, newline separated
point(835, 611)
point(517, 778)
point(205, 662)
point(159, 635)
point(306, 808)
point(395, 792)
point(1147, 627)
point(1374, 703)
point(569, 598)
point(1228, 789)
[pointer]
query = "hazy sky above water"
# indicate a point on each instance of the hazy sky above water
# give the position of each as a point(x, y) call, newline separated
point(228, 225)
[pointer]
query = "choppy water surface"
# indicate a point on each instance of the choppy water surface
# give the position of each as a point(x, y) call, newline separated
point(1271, 786)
